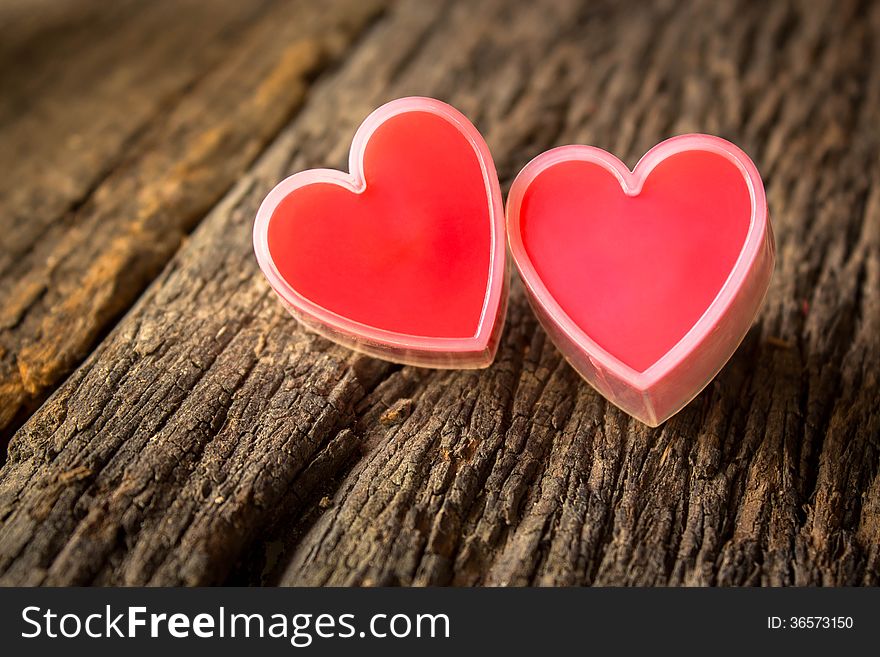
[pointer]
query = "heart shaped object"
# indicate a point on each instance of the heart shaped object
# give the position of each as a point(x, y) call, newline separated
point(404, 257)
point(646, 280)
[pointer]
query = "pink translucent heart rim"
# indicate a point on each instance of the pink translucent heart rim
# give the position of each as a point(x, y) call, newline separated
point(475, 351)
point(666, 386)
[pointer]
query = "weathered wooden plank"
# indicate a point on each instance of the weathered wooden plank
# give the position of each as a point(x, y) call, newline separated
point(118, 131)
point(209, 439)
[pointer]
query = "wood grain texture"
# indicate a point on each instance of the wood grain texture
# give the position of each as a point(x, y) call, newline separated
point(120, 135)
point(208, 439)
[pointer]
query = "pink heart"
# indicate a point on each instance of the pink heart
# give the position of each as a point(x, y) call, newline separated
point(404, 257)
point(646, 280)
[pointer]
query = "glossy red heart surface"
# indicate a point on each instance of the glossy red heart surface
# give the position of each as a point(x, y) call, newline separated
point(646, 280)
point(402, 258)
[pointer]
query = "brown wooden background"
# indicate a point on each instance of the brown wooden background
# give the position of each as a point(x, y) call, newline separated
point(169, 423)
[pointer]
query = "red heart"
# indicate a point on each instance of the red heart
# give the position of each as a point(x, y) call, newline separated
point(404, 257)
point(647, 280)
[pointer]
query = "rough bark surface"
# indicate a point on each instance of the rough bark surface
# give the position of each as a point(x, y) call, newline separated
point(208, 439)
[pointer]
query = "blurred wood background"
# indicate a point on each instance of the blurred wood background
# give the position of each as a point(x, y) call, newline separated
point(168, 423)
